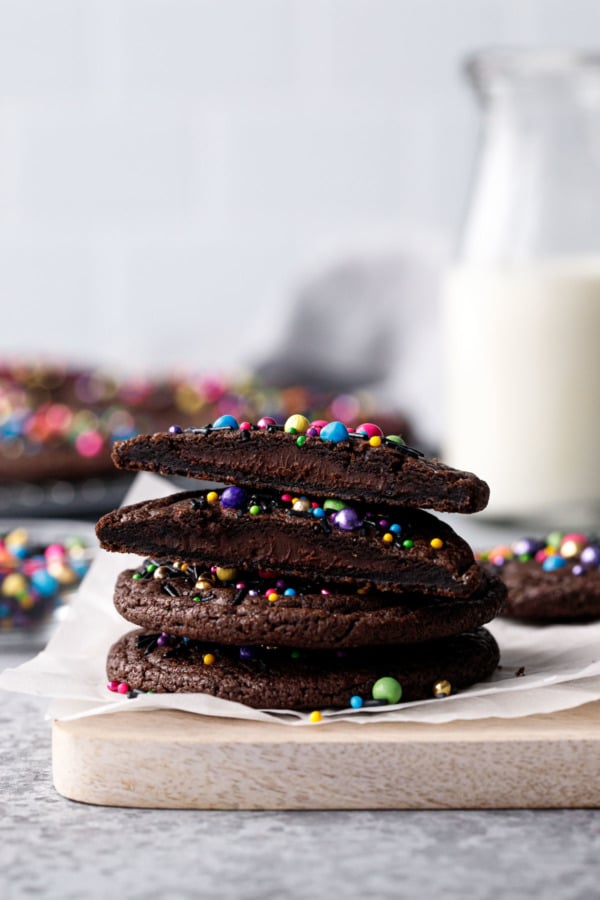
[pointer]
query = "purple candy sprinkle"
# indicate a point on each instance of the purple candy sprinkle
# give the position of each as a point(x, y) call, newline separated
point(590, 556)
point(175, 429)
point(526, 547)
point(347, 519)
point(578, 570)
point(233, 497)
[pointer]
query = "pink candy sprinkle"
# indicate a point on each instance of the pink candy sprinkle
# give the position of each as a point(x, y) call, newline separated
point(89, 443)
point(245, 426)
point(113, 685)
point(55, 552)
point(370, 430)
point(123, 687)
point(286, 498)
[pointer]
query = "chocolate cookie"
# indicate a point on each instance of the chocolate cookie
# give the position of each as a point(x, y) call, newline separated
point(267, 678)
point(363, 466)
point(403, 550)
point(557, 578)
point(220, 606)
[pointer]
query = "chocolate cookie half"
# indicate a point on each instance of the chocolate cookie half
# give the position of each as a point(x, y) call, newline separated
point(267, 678)
point(235, 609)
point(365, 467)
point(299, 537)
point(552, 579)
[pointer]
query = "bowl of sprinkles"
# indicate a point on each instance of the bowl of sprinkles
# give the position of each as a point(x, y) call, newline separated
point(41, 564)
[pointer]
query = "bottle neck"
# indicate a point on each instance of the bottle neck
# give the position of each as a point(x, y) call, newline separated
point(536, 190)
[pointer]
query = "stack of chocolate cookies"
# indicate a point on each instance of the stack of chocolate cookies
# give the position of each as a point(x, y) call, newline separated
point(314, 579)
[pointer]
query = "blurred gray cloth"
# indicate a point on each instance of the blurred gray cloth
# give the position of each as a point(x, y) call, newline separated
point(368, 323)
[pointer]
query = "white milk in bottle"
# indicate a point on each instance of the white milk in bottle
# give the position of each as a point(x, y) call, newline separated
point(522, 384)
point(521, 305)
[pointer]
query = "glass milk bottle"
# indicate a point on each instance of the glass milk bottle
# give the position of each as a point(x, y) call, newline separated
point(521, 305)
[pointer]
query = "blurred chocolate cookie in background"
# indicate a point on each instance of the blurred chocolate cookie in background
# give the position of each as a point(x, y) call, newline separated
point(58, 423)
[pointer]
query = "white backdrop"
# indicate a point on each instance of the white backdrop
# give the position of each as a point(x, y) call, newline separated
point(172, 170)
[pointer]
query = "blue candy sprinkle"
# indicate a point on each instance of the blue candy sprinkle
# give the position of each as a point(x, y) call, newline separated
point(45, 583)
point(289, 592)
point(19, 552)
point(318, 512)
point(334, 432)
point(356, 702)
point(395, 529)
point(551, 563)
point(226, 422)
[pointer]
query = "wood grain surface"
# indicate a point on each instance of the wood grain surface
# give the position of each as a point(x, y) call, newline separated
point(170, 759)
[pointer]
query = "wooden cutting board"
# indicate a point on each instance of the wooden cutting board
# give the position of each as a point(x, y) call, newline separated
point(168, 759)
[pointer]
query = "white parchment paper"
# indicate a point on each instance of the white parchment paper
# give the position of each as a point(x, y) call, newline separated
point(543, 669)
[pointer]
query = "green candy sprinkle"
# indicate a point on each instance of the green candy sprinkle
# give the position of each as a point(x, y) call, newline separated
point(408, 544)
point(554, 539)
point(254, 510)
point(196, 599)
point(136, 576)
point(151, 567)
point(332, 503)
point(295, 654)
point(300, 442)
point(387, 689)
point(395, 439)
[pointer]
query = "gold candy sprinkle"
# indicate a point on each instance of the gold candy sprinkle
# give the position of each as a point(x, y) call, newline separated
point(442, 688)
point(225, 574)
point(203, 584)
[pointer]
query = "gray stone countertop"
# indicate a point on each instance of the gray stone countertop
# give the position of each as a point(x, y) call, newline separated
point(53, 848)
